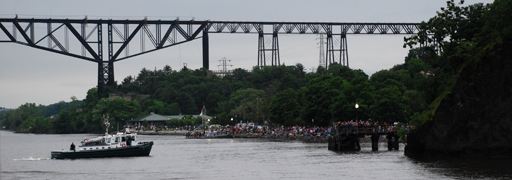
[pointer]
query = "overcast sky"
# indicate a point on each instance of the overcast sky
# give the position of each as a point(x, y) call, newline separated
point(37, 76)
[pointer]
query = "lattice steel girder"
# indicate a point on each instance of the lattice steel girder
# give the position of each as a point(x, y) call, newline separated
point(115, 46)
point(314, 27)
point(188, 31)
point(193, 28)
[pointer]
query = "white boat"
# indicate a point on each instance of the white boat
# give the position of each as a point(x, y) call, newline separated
point(117, 145)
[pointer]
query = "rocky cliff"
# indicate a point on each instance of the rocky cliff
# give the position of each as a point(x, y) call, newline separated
point(475, 118)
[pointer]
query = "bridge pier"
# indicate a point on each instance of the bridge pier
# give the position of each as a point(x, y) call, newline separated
point(206, 51)
point(347, 143)
point(393, 141)
point(396, 144)
point(375, 142)
point(390, 141)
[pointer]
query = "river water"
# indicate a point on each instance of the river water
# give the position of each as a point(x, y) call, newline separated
point(27, 156)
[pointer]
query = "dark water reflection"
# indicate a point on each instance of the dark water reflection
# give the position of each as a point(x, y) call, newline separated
point(467, 168)
point(25, 156)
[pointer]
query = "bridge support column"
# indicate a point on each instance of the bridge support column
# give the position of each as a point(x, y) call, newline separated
point(337, 51)
point(393, 142)
point(265, 53)
point(329, 143)
point(396, 144)
point(206, 51)
point(375, 142)
point(101, 80)
point(344, 143)
point(357, 145)
point(390, 141)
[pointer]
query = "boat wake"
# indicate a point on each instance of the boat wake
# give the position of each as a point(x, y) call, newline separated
point(31, 159)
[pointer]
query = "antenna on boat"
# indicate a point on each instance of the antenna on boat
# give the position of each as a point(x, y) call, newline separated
point(107, 123)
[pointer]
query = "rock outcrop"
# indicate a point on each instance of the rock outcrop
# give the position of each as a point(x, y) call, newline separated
point(475, 118)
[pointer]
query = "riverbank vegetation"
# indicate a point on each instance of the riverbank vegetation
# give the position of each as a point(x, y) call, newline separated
point(286, 95)
point(470, 111)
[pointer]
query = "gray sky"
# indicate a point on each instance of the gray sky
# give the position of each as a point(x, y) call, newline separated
point(36, 76)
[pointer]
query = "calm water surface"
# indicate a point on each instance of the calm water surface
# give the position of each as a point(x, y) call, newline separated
point(27, 156)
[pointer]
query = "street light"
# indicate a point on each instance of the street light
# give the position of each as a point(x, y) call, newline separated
point(208, 123)
point(357, 107)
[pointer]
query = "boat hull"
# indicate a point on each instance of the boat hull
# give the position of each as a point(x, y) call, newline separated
point(141, 149)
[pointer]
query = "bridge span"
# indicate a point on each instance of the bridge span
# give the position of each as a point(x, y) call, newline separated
point(84, 38)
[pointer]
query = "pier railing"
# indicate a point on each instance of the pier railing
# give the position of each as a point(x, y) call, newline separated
point(367, 130)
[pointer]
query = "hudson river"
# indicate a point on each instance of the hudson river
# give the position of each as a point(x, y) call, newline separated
point(27, 156)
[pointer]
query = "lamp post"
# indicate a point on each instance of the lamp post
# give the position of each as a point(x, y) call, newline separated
point(208, 123)
point(357, 107)
point(204, 125)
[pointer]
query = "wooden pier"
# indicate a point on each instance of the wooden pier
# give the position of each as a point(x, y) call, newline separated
point(346, 138)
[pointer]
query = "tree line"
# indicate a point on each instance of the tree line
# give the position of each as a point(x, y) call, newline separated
point(455, 38)
point(282, 95)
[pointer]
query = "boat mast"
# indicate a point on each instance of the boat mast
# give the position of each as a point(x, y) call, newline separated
point(107, 123)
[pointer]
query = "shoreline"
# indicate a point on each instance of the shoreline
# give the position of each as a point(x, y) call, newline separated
point(306, 139)
point(316, 139)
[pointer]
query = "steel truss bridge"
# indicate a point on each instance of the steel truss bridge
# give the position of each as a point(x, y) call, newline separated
point(84, 38)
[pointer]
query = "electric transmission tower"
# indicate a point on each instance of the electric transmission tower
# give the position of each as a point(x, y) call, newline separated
point(224, 64)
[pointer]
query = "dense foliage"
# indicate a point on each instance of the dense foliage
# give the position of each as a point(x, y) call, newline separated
point(287, 95)
point(459, 38)
point(470, 117)
point(283, 95)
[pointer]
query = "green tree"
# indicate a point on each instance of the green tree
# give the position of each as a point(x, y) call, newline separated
point(251, 104)
point(212, 102)
point(118, 111)
point(284, 107)
point(317, 99)
point(390, 105)
point(451, 32)
point(173, 109)
point(154, 106)
point(186, 102)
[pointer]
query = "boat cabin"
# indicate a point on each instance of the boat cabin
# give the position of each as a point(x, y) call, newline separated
point(108, 141)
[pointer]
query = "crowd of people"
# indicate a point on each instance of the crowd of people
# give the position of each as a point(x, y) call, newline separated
point(264, 131)
point(308, 131)
point(367, 126)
